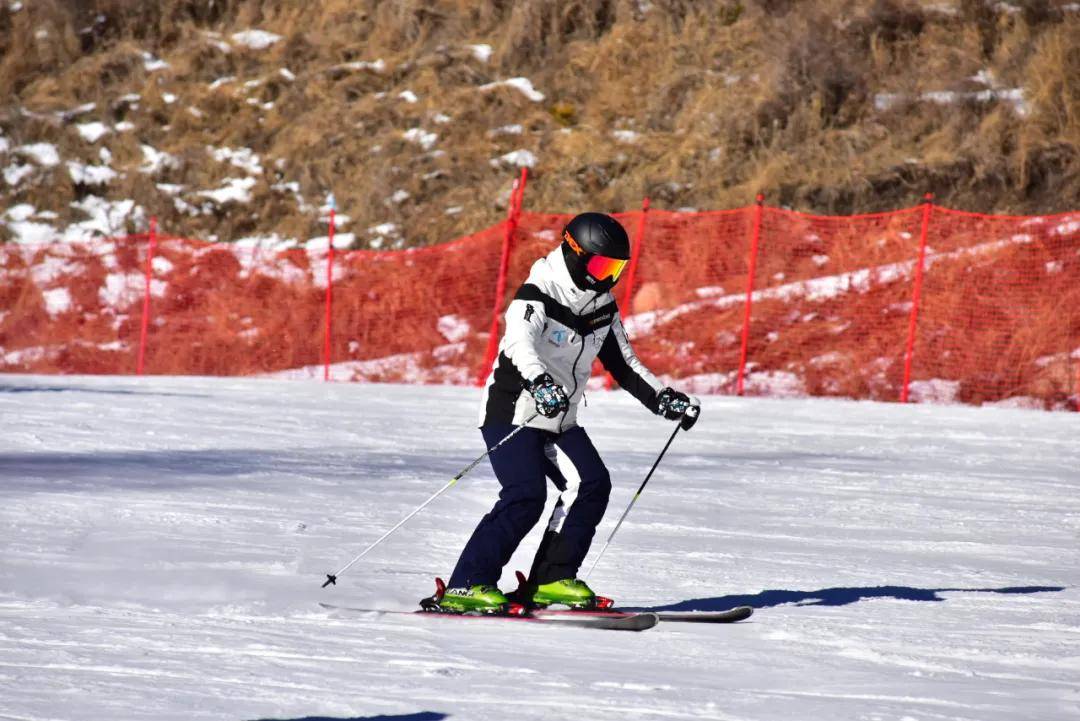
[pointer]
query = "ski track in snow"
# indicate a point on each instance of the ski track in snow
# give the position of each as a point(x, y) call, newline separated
point(163, 540)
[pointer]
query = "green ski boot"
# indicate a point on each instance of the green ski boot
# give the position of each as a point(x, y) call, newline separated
point(479, 599)
point(570, 592)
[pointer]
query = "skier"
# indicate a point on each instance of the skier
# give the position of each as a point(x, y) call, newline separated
point(561, 318)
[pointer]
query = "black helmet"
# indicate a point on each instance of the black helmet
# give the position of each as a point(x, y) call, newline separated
point(596, 250)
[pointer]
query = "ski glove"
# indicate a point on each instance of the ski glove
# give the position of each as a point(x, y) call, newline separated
point(677, 406)
point(550, 397)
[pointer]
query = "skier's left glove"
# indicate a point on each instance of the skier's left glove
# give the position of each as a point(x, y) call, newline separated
point(677, 406)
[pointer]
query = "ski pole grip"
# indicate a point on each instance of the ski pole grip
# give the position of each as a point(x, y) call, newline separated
point(689, 417)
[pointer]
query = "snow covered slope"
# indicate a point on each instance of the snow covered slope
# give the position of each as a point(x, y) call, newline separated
point(162, 544)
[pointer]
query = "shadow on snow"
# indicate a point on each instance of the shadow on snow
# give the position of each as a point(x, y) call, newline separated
point(176, 469)
point(422, 716)
point(30, 388)
point(834, 597)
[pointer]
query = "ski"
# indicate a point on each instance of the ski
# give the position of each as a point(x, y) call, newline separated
point(606, 607)
point(731, 615)
point(617, 622)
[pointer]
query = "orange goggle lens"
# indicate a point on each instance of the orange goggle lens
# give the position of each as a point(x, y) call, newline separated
point(603, 268)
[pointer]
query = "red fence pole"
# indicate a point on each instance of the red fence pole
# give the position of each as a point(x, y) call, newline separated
point(512, 215)
point(628, 284)
point(754, 239)
point(916, 296)
point(329, 295)
point(145, 325)
point(635, 255)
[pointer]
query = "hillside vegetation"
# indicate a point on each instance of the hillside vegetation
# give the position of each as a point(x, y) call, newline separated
point(233, 119)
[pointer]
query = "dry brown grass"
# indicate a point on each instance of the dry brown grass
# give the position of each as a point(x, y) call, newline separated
point(728, 97)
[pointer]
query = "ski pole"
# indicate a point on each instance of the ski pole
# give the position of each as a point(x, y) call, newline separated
point(331, 578)
point(633, 500)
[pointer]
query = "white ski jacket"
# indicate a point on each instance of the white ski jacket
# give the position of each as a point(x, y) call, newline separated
point(554, 327)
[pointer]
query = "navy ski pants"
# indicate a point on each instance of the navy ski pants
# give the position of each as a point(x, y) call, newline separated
point(522, 467)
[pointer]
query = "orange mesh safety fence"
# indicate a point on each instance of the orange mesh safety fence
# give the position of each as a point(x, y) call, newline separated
point(71, 308)
point(1000, 313)
point(231, 310)
point(415, 315)
point(679, 310)
point(995, 305)
point(831, 304)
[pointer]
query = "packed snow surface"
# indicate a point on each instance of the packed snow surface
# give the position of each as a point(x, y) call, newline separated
point(164, 541)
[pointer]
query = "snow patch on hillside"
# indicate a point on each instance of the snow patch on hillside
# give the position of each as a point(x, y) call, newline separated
point(421, 137)
point(92, 132)
point(243, 158)
point(255, 39)
point(522, 85)
point(480, 52)
point(515, 158)
point(233, 190)
point(83, 174)
point(44, 154)
point(441, 366)
point(57, 301)
point(454, 328)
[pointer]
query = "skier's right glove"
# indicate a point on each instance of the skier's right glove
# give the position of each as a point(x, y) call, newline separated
point(677, 406)
point(550, 397)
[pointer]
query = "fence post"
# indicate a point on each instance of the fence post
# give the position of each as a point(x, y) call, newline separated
point(329, 290)
point(145, 325)
point(513, 212)
point(1076, 388)
point(635, 255)
point(754, 239)
point(916, 296)
point(628, 284)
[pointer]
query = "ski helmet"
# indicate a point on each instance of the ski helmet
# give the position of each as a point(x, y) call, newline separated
point(596, 249)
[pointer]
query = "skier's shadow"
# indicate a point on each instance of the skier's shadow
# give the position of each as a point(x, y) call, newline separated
point(834, 597)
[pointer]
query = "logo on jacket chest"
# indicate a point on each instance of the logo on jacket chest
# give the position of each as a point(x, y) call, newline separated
point(600, 320)
point(560, 337)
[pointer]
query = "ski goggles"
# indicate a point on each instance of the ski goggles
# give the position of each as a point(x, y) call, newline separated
point(599, 267)
point(602, 267)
